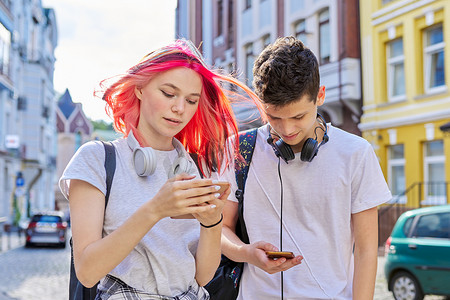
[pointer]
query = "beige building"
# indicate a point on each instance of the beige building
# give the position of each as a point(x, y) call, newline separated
point(74, 129)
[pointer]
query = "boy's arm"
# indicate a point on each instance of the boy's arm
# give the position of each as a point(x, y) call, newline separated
point(254, 253)
point(231, 243)
point(365, 225)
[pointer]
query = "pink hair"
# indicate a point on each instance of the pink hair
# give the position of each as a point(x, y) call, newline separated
point(213, 123)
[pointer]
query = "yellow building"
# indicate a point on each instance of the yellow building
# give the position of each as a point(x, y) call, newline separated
point(405, 50)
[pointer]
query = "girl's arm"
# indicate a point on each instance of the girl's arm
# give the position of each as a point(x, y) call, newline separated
point(95, 256)
point(208, 254)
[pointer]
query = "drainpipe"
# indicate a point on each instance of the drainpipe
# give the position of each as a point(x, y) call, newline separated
point(29, 187)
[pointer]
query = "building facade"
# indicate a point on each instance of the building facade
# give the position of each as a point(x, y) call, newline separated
point(406, 102)
point(234, 32)
point(73, 130)
point(28, 37)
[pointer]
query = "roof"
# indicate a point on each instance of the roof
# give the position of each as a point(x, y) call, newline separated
point(66, 104)
point(429, 209)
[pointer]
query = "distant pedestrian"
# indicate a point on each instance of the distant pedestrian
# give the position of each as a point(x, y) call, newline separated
point(166, 103)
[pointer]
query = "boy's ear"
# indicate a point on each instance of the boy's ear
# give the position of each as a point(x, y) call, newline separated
point(321, 96)
point(138, 92)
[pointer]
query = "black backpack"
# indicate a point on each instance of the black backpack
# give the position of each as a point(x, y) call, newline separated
point(225, 283)
point(76, 290)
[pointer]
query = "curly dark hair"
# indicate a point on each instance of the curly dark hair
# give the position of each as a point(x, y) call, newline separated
point(285, 71)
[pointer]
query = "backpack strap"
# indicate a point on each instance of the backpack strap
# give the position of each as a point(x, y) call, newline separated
point(76, 289)
point(247, 141)
point(110, 167)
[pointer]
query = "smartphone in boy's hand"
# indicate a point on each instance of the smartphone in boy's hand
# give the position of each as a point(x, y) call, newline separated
point(279, 254)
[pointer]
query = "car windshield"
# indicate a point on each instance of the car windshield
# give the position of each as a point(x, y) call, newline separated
point(46, 219)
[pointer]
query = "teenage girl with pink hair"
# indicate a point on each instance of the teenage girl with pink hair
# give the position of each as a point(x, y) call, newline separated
point(142, 245)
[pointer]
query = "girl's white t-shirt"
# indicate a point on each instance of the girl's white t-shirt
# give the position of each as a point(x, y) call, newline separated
point(164, 260)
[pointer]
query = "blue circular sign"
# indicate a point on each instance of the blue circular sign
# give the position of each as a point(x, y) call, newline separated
point(20, 181)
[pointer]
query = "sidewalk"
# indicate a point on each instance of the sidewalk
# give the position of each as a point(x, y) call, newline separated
point(11, 240)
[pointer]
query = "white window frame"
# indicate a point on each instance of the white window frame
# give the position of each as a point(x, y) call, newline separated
point(427, 160)
point(396, 162)
point(428, 58)
point(391, 63)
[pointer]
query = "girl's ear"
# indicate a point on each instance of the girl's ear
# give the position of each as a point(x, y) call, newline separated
point(138, 92)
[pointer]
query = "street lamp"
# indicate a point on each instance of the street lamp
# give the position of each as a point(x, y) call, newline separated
point(446, 129)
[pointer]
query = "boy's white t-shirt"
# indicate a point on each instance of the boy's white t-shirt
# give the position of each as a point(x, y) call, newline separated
point(319, 198)
point(163, 262)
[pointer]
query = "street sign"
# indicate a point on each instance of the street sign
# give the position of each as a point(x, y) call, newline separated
point(19, 180)
point(12, 141)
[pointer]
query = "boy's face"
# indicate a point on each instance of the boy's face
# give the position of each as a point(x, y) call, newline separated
point(295, 122)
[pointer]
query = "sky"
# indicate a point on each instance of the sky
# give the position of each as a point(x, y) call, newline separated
point(98, 39)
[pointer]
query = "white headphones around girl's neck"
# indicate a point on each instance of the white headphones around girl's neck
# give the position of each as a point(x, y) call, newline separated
point(145, 159)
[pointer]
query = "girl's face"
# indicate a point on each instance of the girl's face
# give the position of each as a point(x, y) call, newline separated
point(168, 103)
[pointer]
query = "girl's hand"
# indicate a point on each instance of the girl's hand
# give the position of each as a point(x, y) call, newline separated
point(183, 195)
point(214, 214)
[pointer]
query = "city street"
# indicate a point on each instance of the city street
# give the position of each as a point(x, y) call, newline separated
point(43, 274)
point(34, 273)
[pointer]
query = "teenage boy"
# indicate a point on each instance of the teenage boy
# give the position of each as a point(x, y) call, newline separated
point(328, 202)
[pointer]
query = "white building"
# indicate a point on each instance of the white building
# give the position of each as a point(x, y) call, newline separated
point(28, 37)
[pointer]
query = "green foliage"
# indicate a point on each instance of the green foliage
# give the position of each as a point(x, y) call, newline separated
point(101, 125)
point(17, 214)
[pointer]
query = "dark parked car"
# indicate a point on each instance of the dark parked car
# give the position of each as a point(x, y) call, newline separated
point(418, 253)
point(46, 228)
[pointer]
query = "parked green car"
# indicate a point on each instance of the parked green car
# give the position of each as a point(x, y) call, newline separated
point(418, 253)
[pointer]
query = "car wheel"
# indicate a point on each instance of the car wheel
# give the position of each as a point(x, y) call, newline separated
point(405, 287)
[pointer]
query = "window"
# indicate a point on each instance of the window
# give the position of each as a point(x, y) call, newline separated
point(78, 140)
point(434, 172)
point(230, 23)
point(396, 172)
point(300, 31)
point(248, 4)
point(434, 58)
point(324, 37)
point(249, 60)
point(42, 139)
point(266, 41)
point(5, 43)
point(395, 69)
point(219, 17)
point(232, 71)
point(433, 226)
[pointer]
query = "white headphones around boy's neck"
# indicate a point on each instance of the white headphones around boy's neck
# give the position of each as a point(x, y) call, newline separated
point(145, 159)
